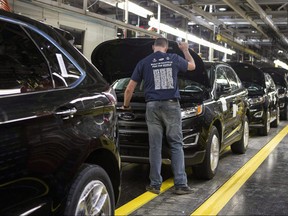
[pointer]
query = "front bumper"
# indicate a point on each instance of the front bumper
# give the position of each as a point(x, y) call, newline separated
point(257, 116)
point(134, 142)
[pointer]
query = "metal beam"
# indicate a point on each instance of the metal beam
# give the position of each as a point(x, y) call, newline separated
point(86, 15)
point(238, 46)
point(267, 20)
point(184, 13)
point(260, 2)
point(242, 13)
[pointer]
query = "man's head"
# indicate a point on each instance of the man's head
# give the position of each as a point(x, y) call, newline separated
point(160, 44)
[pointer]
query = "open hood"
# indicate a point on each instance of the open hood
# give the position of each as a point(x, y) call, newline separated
point(117, 58)
point(248, 73)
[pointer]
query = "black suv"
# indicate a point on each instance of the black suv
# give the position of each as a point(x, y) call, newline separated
point(213, 104)
point(58, 143)
point(263, 97)
point(280, 78)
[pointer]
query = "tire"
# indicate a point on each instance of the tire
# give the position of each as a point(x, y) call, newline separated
point(207, 169)
point(241, 146)
point(265, 130)
point(276, 122)
point(284, 114)
point(92, 182)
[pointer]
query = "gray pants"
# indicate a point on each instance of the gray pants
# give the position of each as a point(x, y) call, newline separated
point(165, 117)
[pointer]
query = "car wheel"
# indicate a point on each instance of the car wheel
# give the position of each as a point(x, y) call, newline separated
point(91, 193)
point(276, 122)
point(284, 114)
point(265, 130)
point(240, 147)
point(207, 169)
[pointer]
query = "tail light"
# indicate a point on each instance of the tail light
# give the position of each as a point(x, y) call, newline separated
point(111, 95)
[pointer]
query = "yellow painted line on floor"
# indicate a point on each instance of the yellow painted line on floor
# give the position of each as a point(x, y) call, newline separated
point(221, 197)
point(141, 200)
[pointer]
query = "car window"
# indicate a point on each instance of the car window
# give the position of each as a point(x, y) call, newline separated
point(63, 71)
point(22, 66)
point(269, 82)
point(221, 79)
point(232, 77)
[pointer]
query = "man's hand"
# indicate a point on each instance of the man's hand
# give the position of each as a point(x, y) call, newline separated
point(185, 49)
point(183, 46)
point(125, 108)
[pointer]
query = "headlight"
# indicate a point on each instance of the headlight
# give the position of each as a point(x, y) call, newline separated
point(191, 111)
point(256, 100)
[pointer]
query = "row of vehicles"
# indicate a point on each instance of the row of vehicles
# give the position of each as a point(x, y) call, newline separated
point(64, 136)
point(220, 103)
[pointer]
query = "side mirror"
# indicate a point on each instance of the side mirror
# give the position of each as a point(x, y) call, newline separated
point(225, 88)
point(222, 89)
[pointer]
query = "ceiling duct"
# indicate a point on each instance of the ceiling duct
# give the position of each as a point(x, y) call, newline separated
point(184, 13)
point(242, 13)
point(267, 20)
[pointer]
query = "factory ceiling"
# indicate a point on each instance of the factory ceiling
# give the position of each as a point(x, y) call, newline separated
point(257, 28)
point(260, 26)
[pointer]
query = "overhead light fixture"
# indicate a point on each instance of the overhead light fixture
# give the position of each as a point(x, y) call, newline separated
point(176, 32)
point(132, 7)
point(222, 9)
point(281, 64)
point(191, 23)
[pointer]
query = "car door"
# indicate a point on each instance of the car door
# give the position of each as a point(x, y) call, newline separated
point(43, 105)
point(225, 99)
point(238, 96)
point(272, 95)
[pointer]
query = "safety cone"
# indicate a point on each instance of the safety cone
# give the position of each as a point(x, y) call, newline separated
point(4, 5)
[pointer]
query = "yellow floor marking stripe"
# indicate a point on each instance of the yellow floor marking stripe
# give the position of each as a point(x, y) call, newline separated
point(141, 200)
point(221, 197)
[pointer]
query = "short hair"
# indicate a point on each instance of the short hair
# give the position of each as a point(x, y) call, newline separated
point(162, 42)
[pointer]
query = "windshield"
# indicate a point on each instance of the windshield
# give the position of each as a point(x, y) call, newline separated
point(183, 84)
point(252, 87)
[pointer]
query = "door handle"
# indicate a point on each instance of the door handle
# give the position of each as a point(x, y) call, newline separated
point(68, 113)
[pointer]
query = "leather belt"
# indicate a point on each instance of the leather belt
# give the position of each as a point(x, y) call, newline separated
point(169, 100)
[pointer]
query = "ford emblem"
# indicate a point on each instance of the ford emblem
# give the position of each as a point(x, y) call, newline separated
point(127, 116)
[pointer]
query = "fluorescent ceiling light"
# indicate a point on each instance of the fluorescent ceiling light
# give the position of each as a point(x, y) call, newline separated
point(281, 64)
point(154, 23)
point(132, 7)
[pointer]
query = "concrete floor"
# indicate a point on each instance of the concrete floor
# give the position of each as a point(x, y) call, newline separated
point(264, 193)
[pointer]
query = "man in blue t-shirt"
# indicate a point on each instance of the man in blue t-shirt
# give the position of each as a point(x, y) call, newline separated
point(163, 115)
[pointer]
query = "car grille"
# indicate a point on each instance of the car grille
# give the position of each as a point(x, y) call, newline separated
point(133, 129)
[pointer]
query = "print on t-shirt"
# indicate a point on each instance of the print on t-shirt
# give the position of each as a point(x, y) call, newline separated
point(162, 72)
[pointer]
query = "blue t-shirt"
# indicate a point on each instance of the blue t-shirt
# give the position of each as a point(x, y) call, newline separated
point(159, 72)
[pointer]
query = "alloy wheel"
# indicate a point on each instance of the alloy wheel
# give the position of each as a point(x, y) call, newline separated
point(214, 154)
point(94, 200)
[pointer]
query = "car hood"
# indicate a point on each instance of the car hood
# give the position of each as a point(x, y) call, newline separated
point(248, 74)
point(117, 58)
